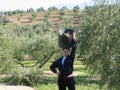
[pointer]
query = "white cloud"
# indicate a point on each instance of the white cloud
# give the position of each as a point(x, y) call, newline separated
point(26, 4)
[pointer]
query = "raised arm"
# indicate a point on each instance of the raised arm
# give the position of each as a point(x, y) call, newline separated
point(74, 46)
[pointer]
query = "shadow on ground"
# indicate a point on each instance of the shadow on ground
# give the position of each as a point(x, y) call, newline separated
point(80, 80)
point(86, 80)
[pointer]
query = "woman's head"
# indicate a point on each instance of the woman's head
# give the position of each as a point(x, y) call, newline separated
point(66, 52)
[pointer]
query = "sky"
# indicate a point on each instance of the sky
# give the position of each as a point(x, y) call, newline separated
point(11, 5)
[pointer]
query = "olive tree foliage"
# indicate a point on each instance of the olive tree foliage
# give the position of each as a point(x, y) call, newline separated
point(16, 42)
point(76, 10)
point(20, 43)
point(6, 50)
point(99, 46)
point(34, 15)
point(42, 46)
point(41, 9)
point(66, 23)
point(13, 47)
point(46, 25)
point(38, 41)
point(30, 10)
point(47, 16)
point(62, 11)
point(51, 9)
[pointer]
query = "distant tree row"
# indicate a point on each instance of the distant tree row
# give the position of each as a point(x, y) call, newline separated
point(4, 20)
point(31, 10)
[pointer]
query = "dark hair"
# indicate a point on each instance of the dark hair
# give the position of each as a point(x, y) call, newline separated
point(65, 48)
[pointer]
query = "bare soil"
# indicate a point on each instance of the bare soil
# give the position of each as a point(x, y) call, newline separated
point(7, 87)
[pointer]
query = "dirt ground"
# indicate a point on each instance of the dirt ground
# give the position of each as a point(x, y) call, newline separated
point(7, 87)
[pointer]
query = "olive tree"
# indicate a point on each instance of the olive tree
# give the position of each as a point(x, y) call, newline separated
point(6, 50)
point(67, 23)
point(76, 10)
point(99, 46)
point(42, 47)
point(41, 9)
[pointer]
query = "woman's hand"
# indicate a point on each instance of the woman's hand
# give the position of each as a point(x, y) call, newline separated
point(57, 73)
point(74, 35)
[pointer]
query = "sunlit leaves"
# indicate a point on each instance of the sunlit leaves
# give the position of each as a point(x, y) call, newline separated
point(100, 38)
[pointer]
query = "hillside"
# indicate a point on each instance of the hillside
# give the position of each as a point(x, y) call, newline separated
point(33, 18)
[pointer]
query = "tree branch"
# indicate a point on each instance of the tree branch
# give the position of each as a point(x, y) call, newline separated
point(47, 59)
point(18, 62)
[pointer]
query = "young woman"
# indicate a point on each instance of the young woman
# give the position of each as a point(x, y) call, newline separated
point(65, 67)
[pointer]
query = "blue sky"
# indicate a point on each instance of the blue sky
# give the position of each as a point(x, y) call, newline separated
point(6, 5)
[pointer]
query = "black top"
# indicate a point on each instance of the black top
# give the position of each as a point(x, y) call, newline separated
point(67, 68)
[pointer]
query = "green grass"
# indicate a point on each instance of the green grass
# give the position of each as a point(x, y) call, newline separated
point(83, 82)
point(47, 87)
point(78, 87)
point(28, 63)
point(46, 67)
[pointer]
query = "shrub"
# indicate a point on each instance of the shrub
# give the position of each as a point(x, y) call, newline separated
point(24, 76)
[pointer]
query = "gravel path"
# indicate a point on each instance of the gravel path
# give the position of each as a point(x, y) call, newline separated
point(7, 87)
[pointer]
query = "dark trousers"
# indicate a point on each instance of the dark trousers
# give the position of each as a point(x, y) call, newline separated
point(69, 82)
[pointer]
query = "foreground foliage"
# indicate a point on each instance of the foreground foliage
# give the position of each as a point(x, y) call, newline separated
point(99, 46)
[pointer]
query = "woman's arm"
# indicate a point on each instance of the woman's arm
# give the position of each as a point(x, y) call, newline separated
point(53, 67)
point(74, 46)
